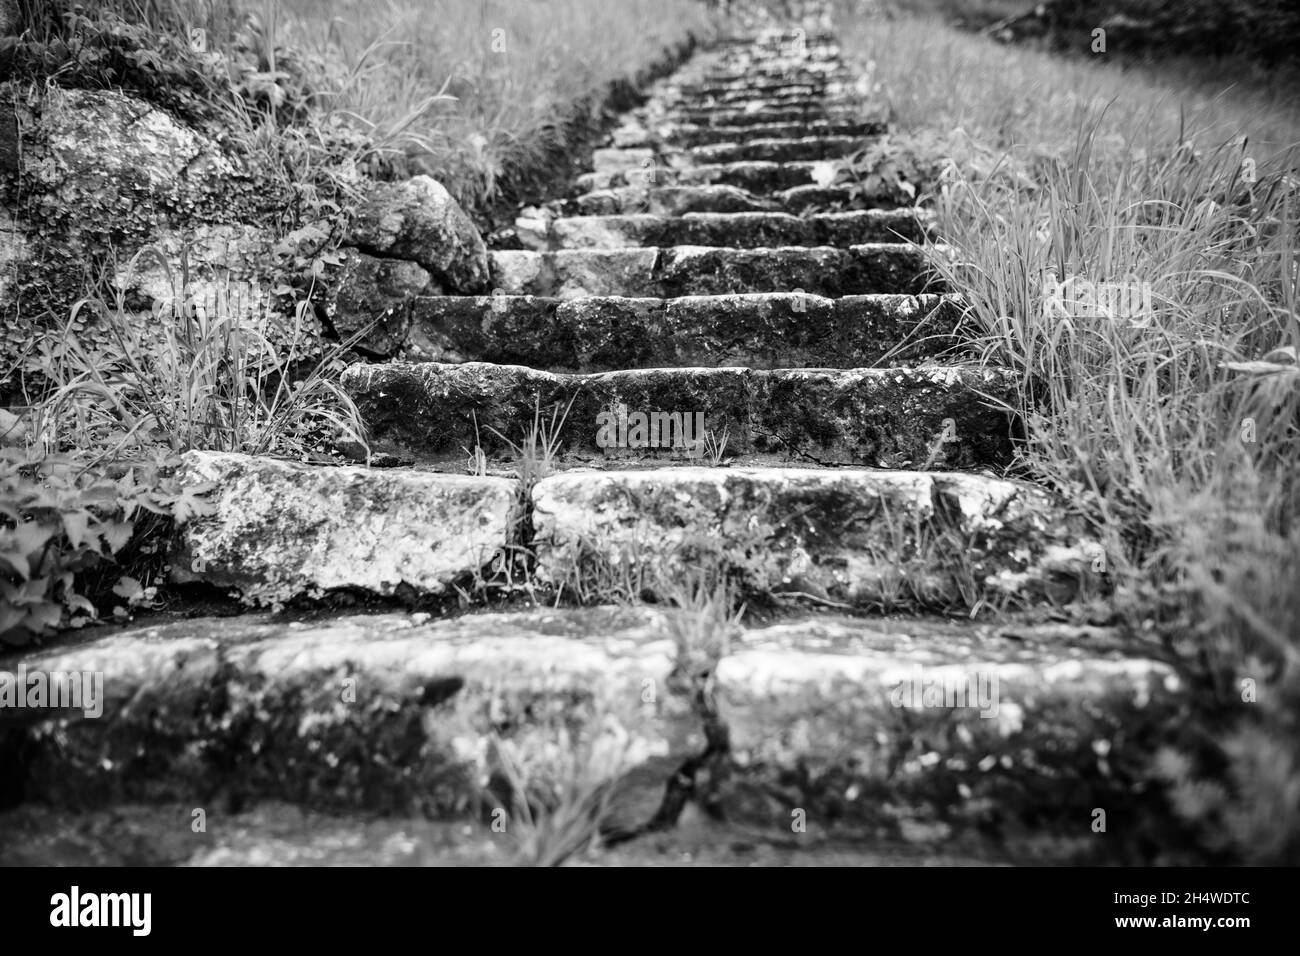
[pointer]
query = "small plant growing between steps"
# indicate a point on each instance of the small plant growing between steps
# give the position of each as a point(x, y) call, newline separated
point(714, 446)
point(558, 811)
point(538, 451)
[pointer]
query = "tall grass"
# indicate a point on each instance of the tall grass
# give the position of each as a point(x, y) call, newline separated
point(1008, 97)
point(1176, 435)
point(515, 70)
point(205, 370)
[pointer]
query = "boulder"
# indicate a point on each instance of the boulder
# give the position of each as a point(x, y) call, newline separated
point(420, 221)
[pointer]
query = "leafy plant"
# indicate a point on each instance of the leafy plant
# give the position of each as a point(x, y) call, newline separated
point(69, 535)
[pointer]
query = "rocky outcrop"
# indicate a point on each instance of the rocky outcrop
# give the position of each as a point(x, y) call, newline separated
point(97, 177)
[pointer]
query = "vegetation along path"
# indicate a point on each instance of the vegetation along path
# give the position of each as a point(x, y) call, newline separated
point(708, 377)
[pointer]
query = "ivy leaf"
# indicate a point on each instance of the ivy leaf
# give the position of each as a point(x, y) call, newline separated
point(10, 619)
point(116, 534)
point(44, 615)
point(128, 588)
point(76, 525)
point(190, 503)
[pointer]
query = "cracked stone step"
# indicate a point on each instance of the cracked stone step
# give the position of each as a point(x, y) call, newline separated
point(775, 150)
point(699, 135)
point(737, 230)
point(606, 333)
point(926, 416)
point(853, 537)
point(928, 729)
point(920, 729)
point(391, 713)
point(285, 530)
point(711, 270)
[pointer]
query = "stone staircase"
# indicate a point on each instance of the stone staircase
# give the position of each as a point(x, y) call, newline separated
point(851, 461)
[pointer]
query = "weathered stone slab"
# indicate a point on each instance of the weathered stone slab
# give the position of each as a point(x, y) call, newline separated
point(925, 729)
point(284, 530)
point(664, 200)
point(390, 713)
point(778, 150)
point(879, 539)
point(784, 113)
point(757, 330)
point(697, 134)
point(886, 417)
point(621, 160)
point(757, 176)
point(737, 230)
point(711, 270)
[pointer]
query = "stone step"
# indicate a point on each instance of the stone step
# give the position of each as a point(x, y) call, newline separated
point(930, 730)
point(756, 176)
point(714, 188)
point(739, 97)
point(919, 730)
point(777, 114)
point(662, 200)
point(700, 135)
point(712, 270)
point(776, 150)
point(274, 833)
point(794, 48)
point(808, 105)
point(738, 230)
point(854, 537)
point(606, 333)
point(761, 78)
point(732, 69)
point(918, 417)
point(283, 530)
point(752, 86)
point(390, 713)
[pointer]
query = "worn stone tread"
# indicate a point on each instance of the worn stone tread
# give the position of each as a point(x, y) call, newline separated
point(820, 714)
point(884, 417)
point(758, 330)
point(778, 150)
point(697, 134)
point(736, 230)
point(710, 270)
point(856, 537)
